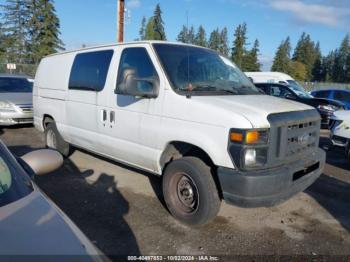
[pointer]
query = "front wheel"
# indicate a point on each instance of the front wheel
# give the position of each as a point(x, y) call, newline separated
point(55, 141)
point(190, 191)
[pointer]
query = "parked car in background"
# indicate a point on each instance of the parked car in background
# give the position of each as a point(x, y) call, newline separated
point(335, 94)
point(16, 100)
point(271, 77)
point(325, 107)
point(30, 223)
point(340, 130)
point(155, 106)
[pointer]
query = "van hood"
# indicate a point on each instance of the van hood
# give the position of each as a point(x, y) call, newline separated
point(17, 98)
point(255, 108)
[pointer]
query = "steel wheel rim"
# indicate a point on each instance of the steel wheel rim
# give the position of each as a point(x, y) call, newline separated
point(187, 194)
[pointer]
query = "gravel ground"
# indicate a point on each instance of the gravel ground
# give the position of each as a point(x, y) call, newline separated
point(121, 210)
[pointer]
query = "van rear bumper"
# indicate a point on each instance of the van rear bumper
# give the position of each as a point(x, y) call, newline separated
point(272, 186)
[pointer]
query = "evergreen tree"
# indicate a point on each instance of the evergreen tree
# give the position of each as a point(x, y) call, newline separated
point(149, 34)
point(44, 30)
point(281, 62)
point(340, 61)
point(239, 43)
point(182, 36)
point(223, 47)
point(2, 46)
point(328, 67)
point(142, 31)
point(317, 67)
point(158, 25)
point(201, 38)
point(251, 63)
point(191, 36)
point(305, 53)
point(16, 16)
point(214, 40)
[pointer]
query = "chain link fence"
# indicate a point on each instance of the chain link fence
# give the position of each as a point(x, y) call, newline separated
point(22, 69)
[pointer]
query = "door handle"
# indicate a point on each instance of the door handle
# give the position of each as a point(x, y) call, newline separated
point(112, 117)
point(104, 115)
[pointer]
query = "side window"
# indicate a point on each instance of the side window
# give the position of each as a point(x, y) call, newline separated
point(89, 71)
point(264, 88)
point(280, 91)
point(322, 94)
point(342, 96)
point(137, 59)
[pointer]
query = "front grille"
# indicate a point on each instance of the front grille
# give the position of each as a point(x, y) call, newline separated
point(293, 134)
point(26, 108)
point(301, 137)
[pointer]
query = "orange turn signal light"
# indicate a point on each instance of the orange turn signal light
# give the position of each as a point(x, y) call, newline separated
point(236, 137)
point(252, 137)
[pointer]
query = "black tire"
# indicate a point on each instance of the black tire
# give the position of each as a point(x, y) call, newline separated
point(190, 192)
point(54, 140)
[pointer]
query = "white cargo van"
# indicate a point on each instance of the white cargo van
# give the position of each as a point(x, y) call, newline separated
point(182, 112)
point(271, 77)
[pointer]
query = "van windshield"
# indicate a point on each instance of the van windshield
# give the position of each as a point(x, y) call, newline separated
point(299, 90)
point(201, 71)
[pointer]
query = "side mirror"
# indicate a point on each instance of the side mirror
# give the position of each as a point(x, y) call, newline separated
point(290, 96)
point(135, 86)
point(43, 161)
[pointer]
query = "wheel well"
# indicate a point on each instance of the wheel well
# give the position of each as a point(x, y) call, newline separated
point(176, 150)
point(47, 119)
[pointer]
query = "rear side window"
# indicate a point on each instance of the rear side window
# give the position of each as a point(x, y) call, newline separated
point(321, 94)
point(89, 71)
point(342, 96)
point(137, 58)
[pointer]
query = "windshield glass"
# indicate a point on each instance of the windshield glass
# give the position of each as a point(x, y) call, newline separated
point(202, 71)
point(298, 90)
point(15, 85)
point(14, 183)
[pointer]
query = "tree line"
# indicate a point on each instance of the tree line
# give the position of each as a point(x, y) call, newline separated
point(29, 30)
point(247, 59)
point(306, 64)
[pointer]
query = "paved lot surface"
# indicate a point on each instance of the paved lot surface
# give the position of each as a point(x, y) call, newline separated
point(122, 212)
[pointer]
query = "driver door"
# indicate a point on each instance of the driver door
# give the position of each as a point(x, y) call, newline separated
point(129, 123)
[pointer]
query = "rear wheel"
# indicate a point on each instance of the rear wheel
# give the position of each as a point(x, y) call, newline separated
point(190, 191)
point(54, 140)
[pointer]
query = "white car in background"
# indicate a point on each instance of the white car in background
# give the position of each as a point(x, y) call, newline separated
point(340, 130)
point(16, 100)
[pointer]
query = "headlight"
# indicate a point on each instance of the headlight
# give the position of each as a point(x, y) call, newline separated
point(249, 148)
point(254, 157)
point(6, 106)
point(326, 108)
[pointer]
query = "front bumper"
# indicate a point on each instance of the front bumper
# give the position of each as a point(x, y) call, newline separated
point(272, 186)
point(15, 118)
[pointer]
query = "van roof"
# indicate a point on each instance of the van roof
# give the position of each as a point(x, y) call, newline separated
point(121, 44)
point(269, 74)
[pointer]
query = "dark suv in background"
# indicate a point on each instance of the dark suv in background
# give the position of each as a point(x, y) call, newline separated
point(326, 107)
